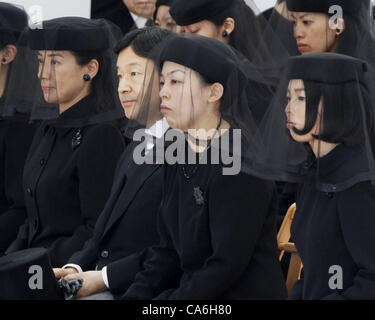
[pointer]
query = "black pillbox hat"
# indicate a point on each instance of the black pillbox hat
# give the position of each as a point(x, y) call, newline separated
point(211, 58)
point(19, 272)
point(186, 12)
point(322, 6)
point(71, 33)
point(326, 67)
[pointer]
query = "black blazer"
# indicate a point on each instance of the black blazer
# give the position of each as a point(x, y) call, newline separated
point(118, 14)
point(127, 225)
point(67, 179)
point(16, 135)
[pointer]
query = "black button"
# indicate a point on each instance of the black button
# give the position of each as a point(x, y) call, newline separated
point(104, 254)
point(29, 192)
point(41, 162)
point(329, 195)
point(306, 165)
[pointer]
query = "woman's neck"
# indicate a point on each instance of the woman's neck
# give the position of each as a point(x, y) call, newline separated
point(65, 106)
point(322, 148)
point(205, 131)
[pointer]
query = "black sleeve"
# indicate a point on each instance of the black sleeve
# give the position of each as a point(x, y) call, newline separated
point(356, 209)
point(86, 257)
point(121, 273)
point(161, 270)
point(15, 145)
point(95, 169)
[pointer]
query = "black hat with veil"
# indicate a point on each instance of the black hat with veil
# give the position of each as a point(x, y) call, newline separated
point(75, 61)
point(323, 110)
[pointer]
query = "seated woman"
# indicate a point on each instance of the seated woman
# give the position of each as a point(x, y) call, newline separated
point(70, 166)
point(16, 133)
point(328, 149)
point(126, 228)
point(216, 223)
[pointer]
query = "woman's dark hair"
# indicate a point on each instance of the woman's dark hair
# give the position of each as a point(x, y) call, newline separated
point(7, 38)
point(143, 41)
point(356, 39)
point(246, 36)
point(343, 109)
point(103, 85)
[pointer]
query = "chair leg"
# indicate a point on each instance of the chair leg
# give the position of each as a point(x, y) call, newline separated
point(294, 271)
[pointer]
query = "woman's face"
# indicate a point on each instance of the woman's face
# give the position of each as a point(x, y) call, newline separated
point(164, 20)
point(296, 111)
point(203, 28)
point(133, 72)
point(61, 77)
point(184, 96)
point(312, 32)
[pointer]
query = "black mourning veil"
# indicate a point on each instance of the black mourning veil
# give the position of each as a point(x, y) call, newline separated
point(344, 26)
point(62, 41)
point(323, 110)
point(16, 96)
point(177, 90)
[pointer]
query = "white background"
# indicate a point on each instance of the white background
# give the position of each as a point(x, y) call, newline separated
point(60, 8)
point(49, 9)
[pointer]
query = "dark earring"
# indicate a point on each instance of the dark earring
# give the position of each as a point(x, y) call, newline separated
point(86, 77)
point(338, 31)
point(4, 60)
point(225, 34)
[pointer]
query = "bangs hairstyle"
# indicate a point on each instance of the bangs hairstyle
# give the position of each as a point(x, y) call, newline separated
point(246, 36)
point(344, 109)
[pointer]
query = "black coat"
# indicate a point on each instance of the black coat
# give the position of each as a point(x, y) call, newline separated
point(217, 239)
point(127, 225)
point(336, 228)
point(118, 14)
point(67, 179)
point(16, 135)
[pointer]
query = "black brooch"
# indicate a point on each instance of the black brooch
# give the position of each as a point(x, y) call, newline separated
point(77, 139)
point(198, 195)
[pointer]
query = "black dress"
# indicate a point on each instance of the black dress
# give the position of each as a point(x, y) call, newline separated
point(336, 229)
point(67, 179)
point(217, 239)
point(16, 135)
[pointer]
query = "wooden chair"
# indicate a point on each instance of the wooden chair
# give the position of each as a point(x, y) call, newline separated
point(283, 237)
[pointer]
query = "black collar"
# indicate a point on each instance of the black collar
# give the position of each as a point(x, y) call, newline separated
point(343, 167)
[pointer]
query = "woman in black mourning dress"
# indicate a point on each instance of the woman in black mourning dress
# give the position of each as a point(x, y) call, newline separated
point(70, 166)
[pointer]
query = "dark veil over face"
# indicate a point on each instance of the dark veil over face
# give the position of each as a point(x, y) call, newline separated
point(201, 93)
point(15, 60)
point(75, 61)
point(320, 124)
point(337, 26)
